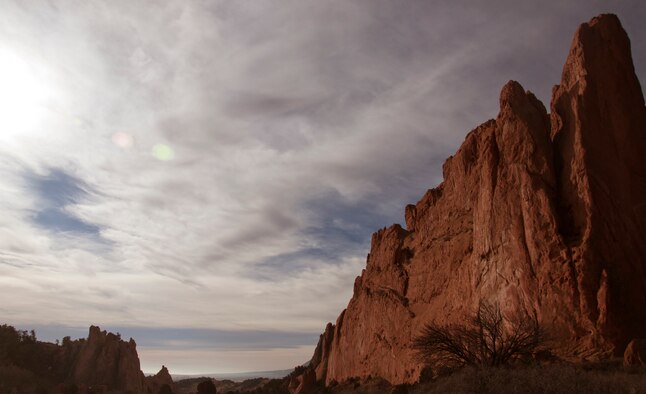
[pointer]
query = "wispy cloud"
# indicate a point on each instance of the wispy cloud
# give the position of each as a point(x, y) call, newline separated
point(289, 134)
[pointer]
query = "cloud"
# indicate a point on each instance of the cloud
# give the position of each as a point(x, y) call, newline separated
point(295, 131)
point(191, 338)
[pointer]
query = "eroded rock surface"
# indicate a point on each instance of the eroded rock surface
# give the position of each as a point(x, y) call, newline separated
point(104, 359)
point(542, 213)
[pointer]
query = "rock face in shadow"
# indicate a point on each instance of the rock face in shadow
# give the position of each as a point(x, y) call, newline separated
point(542, 213)
point(104, 359)
point(635, 354)
point(599, 133)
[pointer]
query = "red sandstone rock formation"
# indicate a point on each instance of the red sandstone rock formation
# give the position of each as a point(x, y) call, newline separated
point(542, 213)
point(155, 383)
point(322, 352)
point(302, 383)
point(104, 359)
point(635, 353)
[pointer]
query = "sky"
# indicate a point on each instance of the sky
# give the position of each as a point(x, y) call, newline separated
point(205, 176)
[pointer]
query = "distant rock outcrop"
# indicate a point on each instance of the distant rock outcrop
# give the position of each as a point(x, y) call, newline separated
point(104, 359)
point(156, 382)
point(544, 214)
point(102, 362)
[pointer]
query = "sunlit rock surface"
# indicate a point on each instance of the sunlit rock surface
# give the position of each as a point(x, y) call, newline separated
point(542, 213)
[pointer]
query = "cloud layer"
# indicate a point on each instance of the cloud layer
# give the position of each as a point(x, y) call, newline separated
point(221, 165)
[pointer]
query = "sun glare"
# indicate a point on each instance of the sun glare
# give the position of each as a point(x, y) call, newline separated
point(22, 96)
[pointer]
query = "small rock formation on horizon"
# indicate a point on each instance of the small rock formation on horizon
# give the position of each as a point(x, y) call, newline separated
point(156, 382)
point(544, 214)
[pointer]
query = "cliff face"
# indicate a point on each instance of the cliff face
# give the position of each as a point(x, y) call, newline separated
point(542, 213)
point(104, 359)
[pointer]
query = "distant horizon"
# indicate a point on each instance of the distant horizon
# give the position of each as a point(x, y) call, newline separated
point(235, 376)
point(58, 332)
point(205, 177)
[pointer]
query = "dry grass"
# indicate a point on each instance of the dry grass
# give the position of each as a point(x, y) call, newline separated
point(557, 378)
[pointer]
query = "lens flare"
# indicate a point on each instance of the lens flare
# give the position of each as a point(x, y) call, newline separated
point(163, 152)
point(122, 140)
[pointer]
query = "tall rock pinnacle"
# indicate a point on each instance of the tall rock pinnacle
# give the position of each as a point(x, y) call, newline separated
point(599, 132)
point(542, 213)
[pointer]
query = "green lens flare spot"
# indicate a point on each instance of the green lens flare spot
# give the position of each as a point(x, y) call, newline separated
point(163, 152)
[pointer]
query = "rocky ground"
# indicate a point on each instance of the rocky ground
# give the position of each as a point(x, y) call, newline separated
point(606, 377)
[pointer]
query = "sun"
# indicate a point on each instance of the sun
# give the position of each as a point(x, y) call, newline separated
point(23, 96)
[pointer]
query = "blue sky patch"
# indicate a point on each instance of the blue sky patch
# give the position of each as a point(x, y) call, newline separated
point(55, 192)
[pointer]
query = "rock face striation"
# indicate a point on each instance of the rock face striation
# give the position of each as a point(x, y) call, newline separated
point(542, 213)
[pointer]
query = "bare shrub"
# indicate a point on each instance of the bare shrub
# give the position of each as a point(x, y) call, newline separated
point(488, 338)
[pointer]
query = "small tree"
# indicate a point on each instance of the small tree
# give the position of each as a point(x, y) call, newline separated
point(489, 338)
point(165, 389)
point(206, 387)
